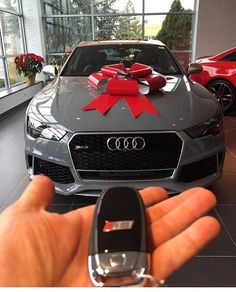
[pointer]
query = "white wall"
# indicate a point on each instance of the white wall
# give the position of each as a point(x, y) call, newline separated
point(216, 30)
point(18, 97)
point(34, 29)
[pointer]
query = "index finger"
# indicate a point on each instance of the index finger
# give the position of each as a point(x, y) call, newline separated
point(157, 212)
point(153, 195)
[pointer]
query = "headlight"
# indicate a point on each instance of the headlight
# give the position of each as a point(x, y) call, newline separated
point(37, 129)
point(212, 126)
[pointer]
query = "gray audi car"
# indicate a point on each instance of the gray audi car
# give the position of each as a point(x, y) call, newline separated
point(85, 144)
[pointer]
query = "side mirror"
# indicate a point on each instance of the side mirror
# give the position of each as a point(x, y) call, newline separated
point(50, 70)
point(194, 68)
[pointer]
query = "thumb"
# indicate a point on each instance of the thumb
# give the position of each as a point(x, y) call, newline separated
point(38, 194)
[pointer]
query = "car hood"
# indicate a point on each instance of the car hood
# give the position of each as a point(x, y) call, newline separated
point(181, 104)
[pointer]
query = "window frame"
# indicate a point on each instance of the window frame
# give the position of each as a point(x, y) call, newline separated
point(5, 56)
point(142, 15)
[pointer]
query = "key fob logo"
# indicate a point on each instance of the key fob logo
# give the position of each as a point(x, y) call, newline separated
point(118, 225)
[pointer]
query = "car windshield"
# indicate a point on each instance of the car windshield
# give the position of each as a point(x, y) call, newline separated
point(89, 59)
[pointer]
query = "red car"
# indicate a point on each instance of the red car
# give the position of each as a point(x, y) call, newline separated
point(219, 76)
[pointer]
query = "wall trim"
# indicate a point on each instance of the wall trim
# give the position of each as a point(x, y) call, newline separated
point(14, 99)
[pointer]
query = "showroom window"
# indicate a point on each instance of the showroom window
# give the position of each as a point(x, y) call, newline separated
point(11, 41)
point(68, 22)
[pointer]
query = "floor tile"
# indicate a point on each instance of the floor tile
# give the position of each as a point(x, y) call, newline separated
point(60, 199)
point(14, 194)
point(6, 139)
point(61, 209)
point(229, 163)
point(75, 207)
point(11, 163)
point(224, 189)
point(222, 245)
point(228, 215)
point(230, 138)
point(229, 124)
point(205, 272)
point(84, 200)
point(8, 185)
point(15, 143)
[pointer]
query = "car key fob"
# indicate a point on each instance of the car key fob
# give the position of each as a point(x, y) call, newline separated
point(118, 252)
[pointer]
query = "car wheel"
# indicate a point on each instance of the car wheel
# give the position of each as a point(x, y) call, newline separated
point(225, 94)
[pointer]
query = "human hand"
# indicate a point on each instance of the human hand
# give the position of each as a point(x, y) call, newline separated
point(39, 248)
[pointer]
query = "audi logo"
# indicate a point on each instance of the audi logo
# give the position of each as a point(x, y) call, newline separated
point(125, 143)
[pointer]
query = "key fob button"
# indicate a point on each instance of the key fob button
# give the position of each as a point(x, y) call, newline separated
point(118, 260)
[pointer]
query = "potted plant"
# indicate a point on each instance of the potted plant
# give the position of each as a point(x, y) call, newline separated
point(29, 64)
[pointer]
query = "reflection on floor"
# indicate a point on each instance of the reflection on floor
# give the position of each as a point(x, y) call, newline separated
point(214, 266)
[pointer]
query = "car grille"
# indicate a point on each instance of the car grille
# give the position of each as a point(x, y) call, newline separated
point(157, 159)
point(58, 173)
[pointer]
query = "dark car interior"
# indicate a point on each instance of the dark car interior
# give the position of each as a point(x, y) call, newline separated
point(87, 60)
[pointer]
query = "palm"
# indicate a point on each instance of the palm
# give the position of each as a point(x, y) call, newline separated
point(54, 253)
point(52, 249)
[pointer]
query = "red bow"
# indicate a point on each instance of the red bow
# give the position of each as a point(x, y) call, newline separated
point(116, 82)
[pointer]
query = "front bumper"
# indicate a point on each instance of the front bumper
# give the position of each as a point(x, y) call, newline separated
point(200, 164)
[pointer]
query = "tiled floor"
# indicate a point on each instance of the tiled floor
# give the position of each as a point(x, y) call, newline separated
point(214, 266)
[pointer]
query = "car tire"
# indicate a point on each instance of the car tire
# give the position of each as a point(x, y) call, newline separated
point(225, 94)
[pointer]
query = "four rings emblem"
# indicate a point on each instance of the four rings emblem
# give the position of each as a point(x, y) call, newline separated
point(126, 143)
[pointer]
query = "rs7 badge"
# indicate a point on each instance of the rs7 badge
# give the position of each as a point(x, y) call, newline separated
point(117, 225)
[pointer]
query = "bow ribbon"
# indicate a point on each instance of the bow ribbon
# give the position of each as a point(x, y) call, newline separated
point(116, 82)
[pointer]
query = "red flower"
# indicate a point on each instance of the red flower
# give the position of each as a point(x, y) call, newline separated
point(28, 63)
